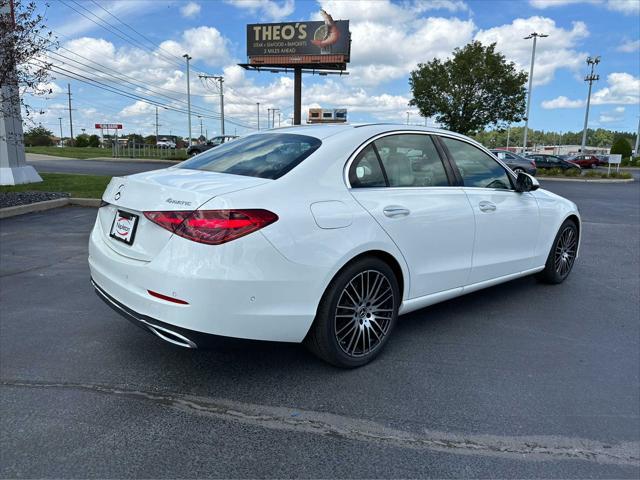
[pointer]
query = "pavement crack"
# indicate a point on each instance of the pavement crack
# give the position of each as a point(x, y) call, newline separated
point(305, 421)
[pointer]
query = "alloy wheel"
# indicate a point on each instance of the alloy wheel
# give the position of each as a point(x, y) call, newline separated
point(565, 253)
point(364, 313)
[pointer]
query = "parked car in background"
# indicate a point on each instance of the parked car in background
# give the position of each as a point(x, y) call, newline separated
point(197, 148)
point(516, 162)
point(165, 144)
point(322, 234)
point(544, 160)
point(585, 161)
point(602, 159)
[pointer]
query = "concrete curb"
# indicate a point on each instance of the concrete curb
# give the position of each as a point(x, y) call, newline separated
point(8, 212)
point(584, 180)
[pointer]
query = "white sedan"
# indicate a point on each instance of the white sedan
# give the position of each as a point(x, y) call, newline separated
point(322, 235)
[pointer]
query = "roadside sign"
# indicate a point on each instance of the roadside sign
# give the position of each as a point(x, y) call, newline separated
point(615, 159)
point(109, 126)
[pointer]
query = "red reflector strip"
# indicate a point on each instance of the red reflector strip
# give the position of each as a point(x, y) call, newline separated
point(218, 223)
point(167, 298)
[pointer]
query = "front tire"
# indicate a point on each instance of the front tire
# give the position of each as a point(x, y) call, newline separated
point(356, 314)
point(562, 255)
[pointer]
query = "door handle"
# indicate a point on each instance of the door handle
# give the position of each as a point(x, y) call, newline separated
point(487, 206)
point(393, 211)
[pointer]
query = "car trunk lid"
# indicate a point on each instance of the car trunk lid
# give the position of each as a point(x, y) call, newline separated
point(125, 228)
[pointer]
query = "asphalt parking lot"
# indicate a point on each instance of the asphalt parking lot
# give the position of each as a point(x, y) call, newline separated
point(520, 380)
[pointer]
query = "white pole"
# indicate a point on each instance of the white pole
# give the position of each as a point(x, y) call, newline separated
point(186, 55)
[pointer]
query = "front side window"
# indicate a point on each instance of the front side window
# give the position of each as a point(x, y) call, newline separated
point(263, 155)
point(411, 160)
point(476, 167)
point(365, 170)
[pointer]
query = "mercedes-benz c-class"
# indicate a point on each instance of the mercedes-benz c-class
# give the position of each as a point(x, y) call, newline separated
point(323, 235)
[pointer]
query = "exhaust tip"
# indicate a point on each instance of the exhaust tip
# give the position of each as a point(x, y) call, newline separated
point(171, 336)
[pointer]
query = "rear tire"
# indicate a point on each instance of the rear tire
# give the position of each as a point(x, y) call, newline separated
point(356, 315)
point(562, 255)
point(518, 170)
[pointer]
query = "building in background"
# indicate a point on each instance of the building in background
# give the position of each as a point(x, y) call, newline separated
point(323, 115)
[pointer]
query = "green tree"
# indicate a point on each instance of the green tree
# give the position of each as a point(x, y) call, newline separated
point(94, 141)
point(82, 140)
point(150, 139)
point(38, 137)
point(474, 89)
point(135, 138)
point(622, 146)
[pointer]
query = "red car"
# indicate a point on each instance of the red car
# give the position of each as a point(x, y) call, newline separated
point(585, 161)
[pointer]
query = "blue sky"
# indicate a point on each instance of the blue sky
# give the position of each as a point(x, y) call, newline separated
point(388, 40)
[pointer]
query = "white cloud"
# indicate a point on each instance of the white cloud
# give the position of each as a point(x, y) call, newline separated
point(561, 102)
point(191, 9)
point(615, 115)
point(382, 52)
point(629, 46)
point(552, 53)
point(623, 89)
point(204, 44)
point(269, 9)
point(625, 6)
point(138, 108)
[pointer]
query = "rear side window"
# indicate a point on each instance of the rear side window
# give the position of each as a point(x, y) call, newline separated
point(476, 167)
point(263, 155)
point(411, 160)
point(365, 171)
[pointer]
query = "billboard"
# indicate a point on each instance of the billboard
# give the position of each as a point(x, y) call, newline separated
point(109, 126)
point(290, 43)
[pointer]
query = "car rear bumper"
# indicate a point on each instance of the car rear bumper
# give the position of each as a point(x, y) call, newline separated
point(243, 289)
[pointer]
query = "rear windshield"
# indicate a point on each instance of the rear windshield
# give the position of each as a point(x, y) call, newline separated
point(264, 156)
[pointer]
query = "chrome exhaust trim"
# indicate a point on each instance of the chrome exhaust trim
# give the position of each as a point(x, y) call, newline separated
point(163, 333)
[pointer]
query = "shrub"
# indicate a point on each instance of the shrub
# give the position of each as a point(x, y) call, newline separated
point(94, 141)
point(621, 146)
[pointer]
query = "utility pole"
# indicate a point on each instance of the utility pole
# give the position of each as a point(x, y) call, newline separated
point(220, 80)
point(258, 105)
point(278, 118)
point(61, 142)
point(187, 57)
point(269, 117)
point(593, 61)
point(637, 137)
point(156, 124)
point(273, 120)
point(70, 118)
point(535, 36)
point(200, 124)
point(508, 135)
point(407, 118)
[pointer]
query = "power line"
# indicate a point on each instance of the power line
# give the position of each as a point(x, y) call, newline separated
point(112, 89)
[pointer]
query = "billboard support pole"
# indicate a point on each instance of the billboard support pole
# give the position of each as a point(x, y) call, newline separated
point(297, 95)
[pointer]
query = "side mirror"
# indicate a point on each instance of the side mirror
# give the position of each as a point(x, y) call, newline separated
point(526, 183)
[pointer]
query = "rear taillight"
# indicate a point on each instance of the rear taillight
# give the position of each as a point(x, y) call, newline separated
point(533, 163)
point(213, 227)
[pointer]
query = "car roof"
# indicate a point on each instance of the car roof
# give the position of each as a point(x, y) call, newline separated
point(328, 130)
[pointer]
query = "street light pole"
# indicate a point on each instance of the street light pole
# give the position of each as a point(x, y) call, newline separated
point(258, 105)
point(637, 137)
point(187, 57)
point(593, 61)
point(61, 142)
point(508, 135)
point(407, 118)
point(535, 36)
